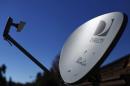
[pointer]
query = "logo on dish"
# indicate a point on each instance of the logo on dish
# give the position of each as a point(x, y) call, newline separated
point(101, 31)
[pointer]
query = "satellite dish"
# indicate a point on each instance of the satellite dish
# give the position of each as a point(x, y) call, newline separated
point(89, 45)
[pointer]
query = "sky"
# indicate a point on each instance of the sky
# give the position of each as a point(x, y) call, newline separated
point(48, 24)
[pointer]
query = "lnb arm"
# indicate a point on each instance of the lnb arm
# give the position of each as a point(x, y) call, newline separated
point(19, 27)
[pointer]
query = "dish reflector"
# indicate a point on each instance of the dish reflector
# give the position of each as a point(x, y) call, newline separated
point(89, 45)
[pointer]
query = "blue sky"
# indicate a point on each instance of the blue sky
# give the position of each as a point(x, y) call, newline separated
point(48, 24)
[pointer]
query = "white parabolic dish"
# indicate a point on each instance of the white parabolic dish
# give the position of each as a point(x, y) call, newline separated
point(88, 44)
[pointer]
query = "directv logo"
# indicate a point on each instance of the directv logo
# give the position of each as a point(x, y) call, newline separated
point(101, 31)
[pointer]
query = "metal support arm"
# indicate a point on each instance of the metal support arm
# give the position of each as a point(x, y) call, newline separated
point(8, 38)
